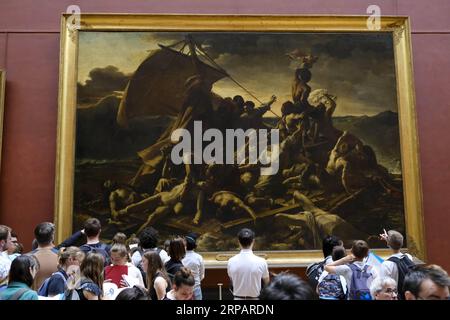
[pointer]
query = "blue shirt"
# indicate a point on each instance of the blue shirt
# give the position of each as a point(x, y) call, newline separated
point(13, 287)
point(57, 284)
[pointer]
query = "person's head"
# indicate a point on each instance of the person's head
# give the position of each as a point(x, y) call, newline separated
point(166, 245)
point(395, 240)
point(338, 253)
point(23, 269)
point(328, 243)
point(133, 241)
point(303, 74)
point(249, 105)
point(426, 283)
point(92, 227)
point(5, 237)
point(148, 238)
point(191, 241)
point(119, 237)
point(70, 256)
point(246, 238)
point(183, 284)
point(44, 233)
point(177, 249)
point(286, 286)
point(238, 101)
point(119, 254)
point(135, 293)
point(14, 246)
point(383, 288)
point(360, 249)
point(13, 236)
point(92, 268)
point(152, 264)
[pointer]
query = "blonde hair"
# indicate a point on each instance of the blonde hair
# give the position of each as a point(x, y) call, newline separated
point(71, 252)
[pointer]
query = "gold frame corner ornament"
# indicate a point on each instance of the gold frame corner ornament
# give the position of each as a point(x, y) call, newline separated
point(398, 26)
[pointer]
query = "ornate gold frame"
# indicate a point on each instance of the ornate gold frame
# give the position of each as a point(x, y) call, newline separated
point(398, 26)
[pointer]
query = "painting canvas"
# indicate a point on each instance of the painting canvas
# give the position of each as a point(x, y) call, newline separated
point(323, 106)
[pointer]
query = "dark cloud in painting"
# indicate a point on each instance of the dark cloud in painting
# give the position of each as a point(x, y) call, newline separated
point(101, 82)
point(358, 68)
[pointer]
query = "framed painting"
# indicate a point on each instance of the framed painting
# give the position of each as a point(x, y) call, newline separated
point(294, 126)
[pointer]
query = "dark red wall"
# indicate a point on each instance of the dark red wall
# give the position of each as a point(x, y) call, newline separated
point(29, 51)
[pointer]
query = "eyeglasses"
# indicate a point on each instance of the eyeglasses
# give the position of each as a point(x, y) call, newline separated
point(390, 291)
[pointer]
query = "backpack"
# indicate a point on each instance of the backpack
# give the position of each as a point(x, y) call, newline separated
point(102, 249)
point(74, 294)
point(359, 289)
point(314, 271)
point(330, 288)
point(404, 265)
point(19, 293)
point(43, 289)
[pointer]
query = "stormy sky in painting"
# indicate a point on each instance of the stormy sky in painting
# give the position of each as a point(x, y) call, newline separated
point(357, 68)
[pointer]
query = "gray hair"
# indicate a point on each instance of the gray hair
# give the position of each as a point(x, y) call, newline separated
point(395, 239)
point(379, 283)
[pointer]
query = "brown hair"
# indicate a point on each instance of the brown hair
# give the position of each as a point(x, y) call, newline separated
point(92, 227)
point(184, 276)
point(92, 268)
point(120, 249)
point(360, 249)
point(119, 237)
point(4, 231)
point(71, 252)
point(155, 265)
point(177, 249)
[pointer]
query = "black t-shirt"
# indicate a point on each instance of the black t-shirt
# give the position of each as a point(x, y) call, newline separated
point(173, 267)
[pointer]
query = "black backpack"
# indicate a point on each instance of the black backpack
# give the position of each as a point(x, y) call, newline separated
point(404, 266)
point(313, 273)
point(102, 249)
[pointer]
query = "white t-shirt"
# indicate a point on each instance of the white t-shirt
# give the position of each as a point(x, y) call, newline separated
point(194, 262)
point(328, 260)
point(346, 272)
point(135, 275)
point(5, 265)
point(136, 257)
point(246, 271)
point(390, 269)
